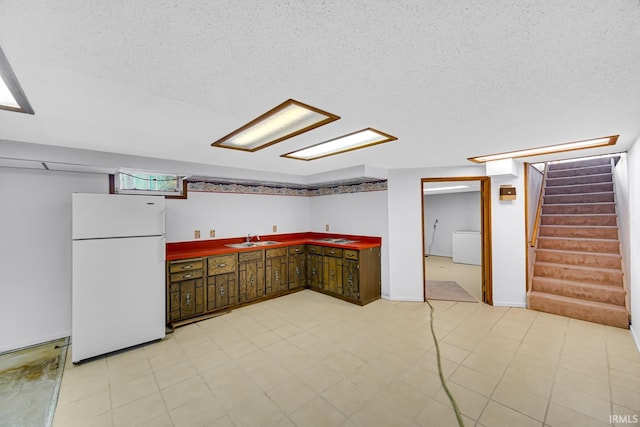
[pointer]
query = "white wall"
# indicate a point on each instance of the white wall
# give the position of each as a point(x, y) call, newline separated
point(633, 159)
point(234, 215)
point(621, 183)
point(405, 234)
point(454, 212)
point(35, 253)
point(355, 213)
point(509, 240)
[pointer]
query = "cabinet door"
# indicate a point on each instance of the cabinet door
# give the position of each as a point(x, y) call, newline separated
point(251, 278)
point(189, 299)
point(332, 274)
point(297, 270)
point(314, 274)
point(221, 291)
point(276, 274)
point(351, 286)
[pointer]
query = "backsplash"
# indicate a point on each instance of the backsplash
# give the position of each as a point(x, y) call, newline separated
point(283, 190)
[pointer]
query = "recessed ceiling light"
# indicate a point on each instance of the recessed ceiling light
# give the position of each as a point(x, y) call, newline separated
point(570, 146)
point(453, 187)
point(353, 141)
point(12, 97)
point(288, 119)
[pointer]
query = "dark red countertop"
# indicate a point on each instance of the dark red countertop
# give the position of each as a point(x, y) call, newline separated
point(200, 248)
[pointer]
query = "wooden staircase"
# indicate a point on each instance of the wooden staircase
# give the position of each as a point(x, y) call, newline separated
point(577, 270)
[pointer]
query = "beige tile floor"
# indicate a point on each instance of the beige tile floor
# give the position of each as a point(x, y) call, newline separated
point(468, 276)
point(307, 360)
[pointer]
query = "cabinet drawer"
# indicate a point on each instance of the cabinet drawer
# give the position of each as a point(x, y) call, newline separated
point(186, 275)
point(270, 253)
point(221, 264)
point(297, 249)
point(350, 254)
point(337, 252)
point(250, 256)
point(313, 249)
point(185, 264)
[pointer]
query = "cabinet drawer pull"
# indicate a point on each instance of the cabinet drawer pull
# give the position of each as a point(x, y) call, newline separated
point(188, 299)
point(221, 290)
point(222, 265)
point(186, 276)
point(187, 267)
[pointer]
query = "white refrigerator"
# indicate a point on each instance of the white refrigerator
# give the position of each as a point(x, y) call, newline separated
point(118, 283)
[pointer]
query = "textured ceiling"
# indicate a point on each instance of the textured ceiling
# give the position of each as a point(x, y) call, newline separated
point(450, 79)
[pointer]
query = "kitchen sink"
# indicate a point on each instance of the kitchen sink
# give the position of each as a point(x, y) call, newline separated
point(251, 244)
point(335, 240)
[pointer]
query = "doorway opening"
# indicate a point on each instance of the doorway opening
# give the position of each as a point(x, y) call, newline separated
point(461, 244)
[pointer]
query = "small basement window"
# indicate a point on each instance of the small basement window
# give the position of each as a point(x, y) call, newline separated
point(154, 183)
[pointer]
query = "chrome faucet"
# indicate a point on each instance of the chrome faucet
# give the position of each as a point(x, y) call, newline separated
point(249, 237)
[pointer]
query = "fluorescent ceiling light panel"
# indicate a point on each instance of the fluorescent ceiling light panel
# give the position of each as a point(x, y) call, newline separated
point(12, 97)
point(288, 119)
point(353, 141)
point(550, 149)
point(453, 187)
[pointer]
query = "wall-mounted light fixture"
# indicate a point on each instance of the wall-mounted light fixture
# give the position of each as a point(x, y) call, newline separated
point(12, 97)
point(550, 149)
point(353, 141)
point(288, 119)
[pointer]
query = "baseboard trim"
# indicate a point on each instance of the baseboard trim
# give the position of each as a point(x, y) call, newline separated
point(636, 338)
point(34, 341)
point(509, 304)
point(408, 299)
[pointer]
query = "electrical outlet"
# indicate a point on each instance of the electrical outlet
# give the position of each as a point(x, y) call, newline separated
point(326, 227)
point(275, 228)
point(196, 234)
point(212, 233)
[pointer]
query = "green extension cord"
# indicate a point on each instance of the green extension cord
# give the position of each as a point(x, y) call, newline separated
point(444, 384)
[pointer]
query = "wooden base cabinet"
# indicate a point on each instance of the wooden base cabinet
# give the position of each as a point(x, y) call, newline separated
point(297, 267)
point(365, 276)
point(221, 281)
point(250, 275)
point(277, 269)
point(332, 270)
point(199, 287)
point(315, 267)
point(185, 293)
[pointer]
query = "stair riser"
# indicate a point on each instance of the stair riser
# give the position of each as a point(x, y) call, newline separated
point(578, 172)
point(583, 208)
point(583, 179)
point(606, 294)
point(587, 232)
point(607, 247)
point(577, 310)
point(578, 198)
point(582, 259)
point(579, 189)
point(612, 278)
point(595, 220)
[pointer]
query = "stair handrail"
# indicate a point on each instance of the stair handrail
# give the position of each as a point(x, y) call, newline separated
point(536, 221)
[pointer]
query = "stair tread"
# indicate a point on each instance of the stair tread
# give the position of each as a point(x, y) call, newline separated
point(610, 288)
point(570, 300)
point(578, 204)
point(561, 251)
point(578, 214)
point(578, 226)
point(590, 239)
point(578, 267)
